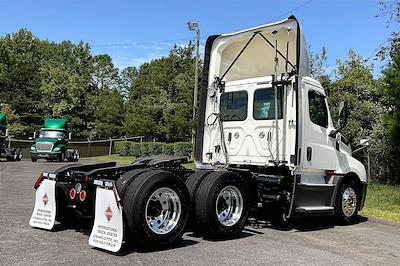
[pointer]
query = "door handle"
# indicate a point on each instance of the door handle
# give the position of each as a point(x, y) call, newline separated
point(309, 153)
point(229, 137)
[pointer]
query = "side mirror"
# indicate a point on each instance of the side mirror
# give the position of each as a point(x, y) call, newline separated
point(365, 142)
point(342, 120)
point(69, 135)
point(6, 133)
point(34, 135)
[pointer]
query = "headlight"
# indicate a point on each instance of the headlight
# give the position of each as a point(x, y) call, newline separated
point(33, 147)
point(57, 148)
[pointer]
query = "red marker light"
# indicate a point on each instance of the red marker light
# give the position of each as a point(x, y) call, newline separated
point(72, 193)
point(38, 181)
point(82, 195)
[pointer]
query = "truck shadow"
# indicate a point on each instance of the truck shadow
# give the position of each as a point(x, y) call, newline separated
point(305, 224)
point(128, 248)
point(85, 227)
point(254, 227)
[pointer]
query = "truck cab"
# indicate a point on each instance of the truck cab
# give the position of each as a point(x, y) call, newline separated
point(52, 143)
point(251, 75)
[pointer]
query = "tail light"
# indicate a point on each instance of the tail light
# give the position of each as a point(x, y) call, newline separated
point(82, 195)
point(72, 193)
point(38, 181)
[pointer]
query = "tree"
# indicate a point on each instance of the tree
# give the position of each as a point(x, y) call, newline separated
point(391, 9)
point(65, 86)
point(388, 134)
point(355, 84)
point(110, 114)
point(104, 74)
point(13, 120)
point(160, 98)
point(318, 65)
point(391, 79)
point(21, 56)
point(127, 76)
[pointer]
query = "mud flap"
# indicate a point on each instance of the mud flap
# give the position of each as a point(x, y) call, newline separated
point(107, 231)
point(44, 213)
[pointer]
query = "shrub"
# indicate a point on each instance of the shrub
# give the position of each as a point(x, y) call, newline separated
point(136, 149)
point(154, 148)
point(123, 148)
point(168, 149)
point(183, 148)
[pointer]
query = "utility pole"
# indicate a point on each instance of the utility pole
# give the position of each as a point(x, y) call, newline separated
point(194, 26)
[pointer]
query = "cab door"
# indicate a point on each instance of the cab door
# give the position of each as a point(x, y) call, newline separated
point(319, 152)
point(314, 184)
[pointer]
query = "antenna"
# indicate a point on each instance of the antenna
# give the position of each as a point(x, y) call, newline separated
point(274, 79)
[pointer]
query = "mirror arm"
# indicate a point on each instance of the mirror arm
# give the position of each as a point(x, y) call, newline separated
point(334, 132)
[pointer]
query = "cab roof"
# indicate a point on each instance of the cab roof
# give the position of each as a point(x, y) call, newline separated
point(3, 120)
point(55, 124)
point(257, 58)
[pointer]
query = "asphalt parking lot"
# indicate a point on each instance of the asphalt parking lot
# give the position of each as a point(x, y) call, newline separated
point(311, 241)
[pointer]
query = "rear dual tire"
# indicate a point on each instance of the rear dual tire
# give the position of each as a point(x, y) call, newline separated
point(221, 205)
point(74, 157)
point(16, 155)
point(156, 207)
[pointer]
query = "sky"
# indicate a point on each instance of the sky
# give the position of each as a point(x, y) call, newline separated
point(136, 31)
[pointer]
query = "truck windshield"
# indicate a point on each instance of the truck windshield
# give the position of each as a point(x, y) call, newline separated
point(51, 134)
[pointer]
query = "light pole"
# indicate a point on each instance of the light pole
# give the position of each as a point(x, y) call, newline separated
point(194, 26)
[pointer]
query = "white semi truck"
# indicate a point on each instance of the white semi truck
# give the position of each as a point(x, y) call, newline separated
point(265, 143)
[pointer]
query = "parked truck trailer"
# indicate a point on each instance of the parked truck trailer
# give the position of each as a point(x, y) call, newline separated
point(265, 143)
point(11, 154)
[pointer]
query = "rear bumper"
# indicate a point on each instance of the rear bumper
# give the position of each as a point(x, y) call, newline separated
point(83, 207)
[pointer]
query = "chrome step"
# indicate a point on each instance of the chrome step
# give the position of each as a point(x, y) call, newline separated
point(308, 209)
point(315, 185)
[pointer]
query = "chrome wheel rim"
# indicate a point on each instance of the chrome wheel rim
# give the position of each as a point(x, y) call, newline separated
point(163, 210)
point(229, 206)
point(349, 202)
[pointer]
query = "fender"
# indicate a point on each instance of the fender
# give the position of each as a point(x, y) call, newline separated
point(59, 147)
point(349, 164)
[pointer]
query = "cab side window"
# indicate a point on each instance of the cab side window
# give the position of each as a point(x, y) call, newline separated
point(233, 106)
point(317, 108)
point(264, 104)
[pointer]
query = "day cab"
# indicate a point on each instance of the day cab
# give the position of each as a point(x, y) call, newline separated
point(52, 143)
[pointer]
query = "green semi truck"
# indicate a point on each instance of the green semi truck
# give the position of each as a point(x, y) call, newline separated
point(11, 154)
point(52, 143)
